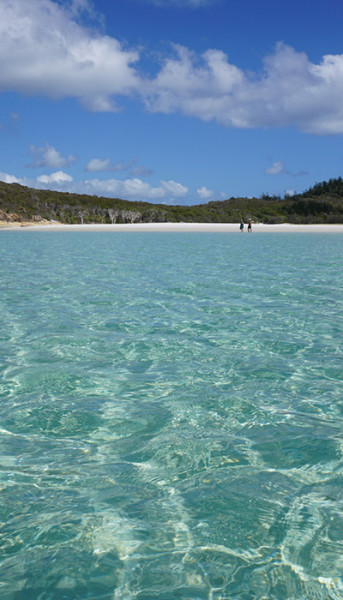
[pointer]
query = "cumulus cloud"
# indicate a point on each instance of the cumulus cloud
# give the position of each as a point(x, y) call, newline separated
point(131, 188)
point(48, 156)
point(290, 91)
point(59, 177)
point(99, 164)
point(7, 178)
point(43, 50)
point(82, 7)
point(277, 168)
point(135, 189)
point(204, 193)
point(194, 87)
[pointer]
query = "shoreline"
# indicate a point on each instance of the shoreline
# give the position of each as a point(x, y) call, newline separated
point(175, 227)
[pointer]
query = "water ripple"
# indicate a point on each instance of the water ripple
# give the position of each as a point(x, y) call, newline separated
point(171, 417)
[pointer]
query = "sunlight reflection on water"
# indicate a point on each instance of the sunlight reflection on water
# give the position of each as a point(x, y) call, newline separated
point(171, 416)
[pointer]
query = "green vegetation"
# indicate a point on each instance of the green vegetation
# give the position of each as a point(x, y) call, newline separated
point(322, 203)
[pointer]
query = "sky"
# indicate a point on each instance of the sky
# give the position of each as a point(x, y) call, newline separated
point(171, 101)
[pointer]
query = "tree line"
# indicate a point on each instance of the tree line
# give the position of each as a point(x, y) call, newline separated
point(321, 203)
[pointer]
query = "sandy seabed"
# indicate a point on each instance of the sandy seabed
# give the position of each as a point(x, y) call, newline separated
point(177, 227)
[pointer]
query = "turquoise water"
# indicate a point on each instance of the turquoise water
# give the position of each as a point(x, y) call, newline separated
point(171, 415)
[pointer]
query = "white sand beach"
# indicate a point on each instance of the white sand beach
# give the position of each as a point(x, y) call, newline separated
point(177, 227)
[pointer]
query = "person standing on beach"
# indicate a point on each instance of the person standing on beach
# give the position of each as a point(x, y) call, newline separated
point(249, 226)
point(241, 227)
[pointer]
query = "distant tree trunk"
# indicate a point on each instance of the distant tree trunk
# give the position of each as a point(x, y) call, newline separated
point(113, 214)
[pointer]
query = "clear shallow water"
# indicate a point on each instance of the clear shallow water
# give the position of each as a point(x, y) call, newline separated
point(171, 416)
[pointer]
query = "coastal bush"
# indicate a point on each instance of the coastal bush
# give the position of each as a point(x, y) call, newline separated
point(322, 203)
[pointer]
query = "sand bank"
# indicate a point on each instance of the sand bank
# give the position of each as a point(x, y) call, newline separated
point(178, 227)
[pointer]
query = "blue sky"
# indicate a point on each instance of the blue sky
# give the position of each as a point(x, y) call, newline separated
point(171, 101)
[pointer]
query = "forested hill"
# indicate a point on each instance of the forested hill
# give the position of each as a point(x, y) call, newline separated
point(322, 203)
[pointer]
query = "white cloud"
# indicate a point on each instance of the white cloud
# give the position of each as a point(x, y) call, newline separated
point(48, 156)
point(204, 193)
point(135, 189)
point(289, 193)
point(10, 178)
point(176, 189)
point(277, 168)
point(290, 91)
point(128, 189)
point(192, 88)
point(99, 164)
point(44, 51)
point(59, 177)
point(79, 7)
